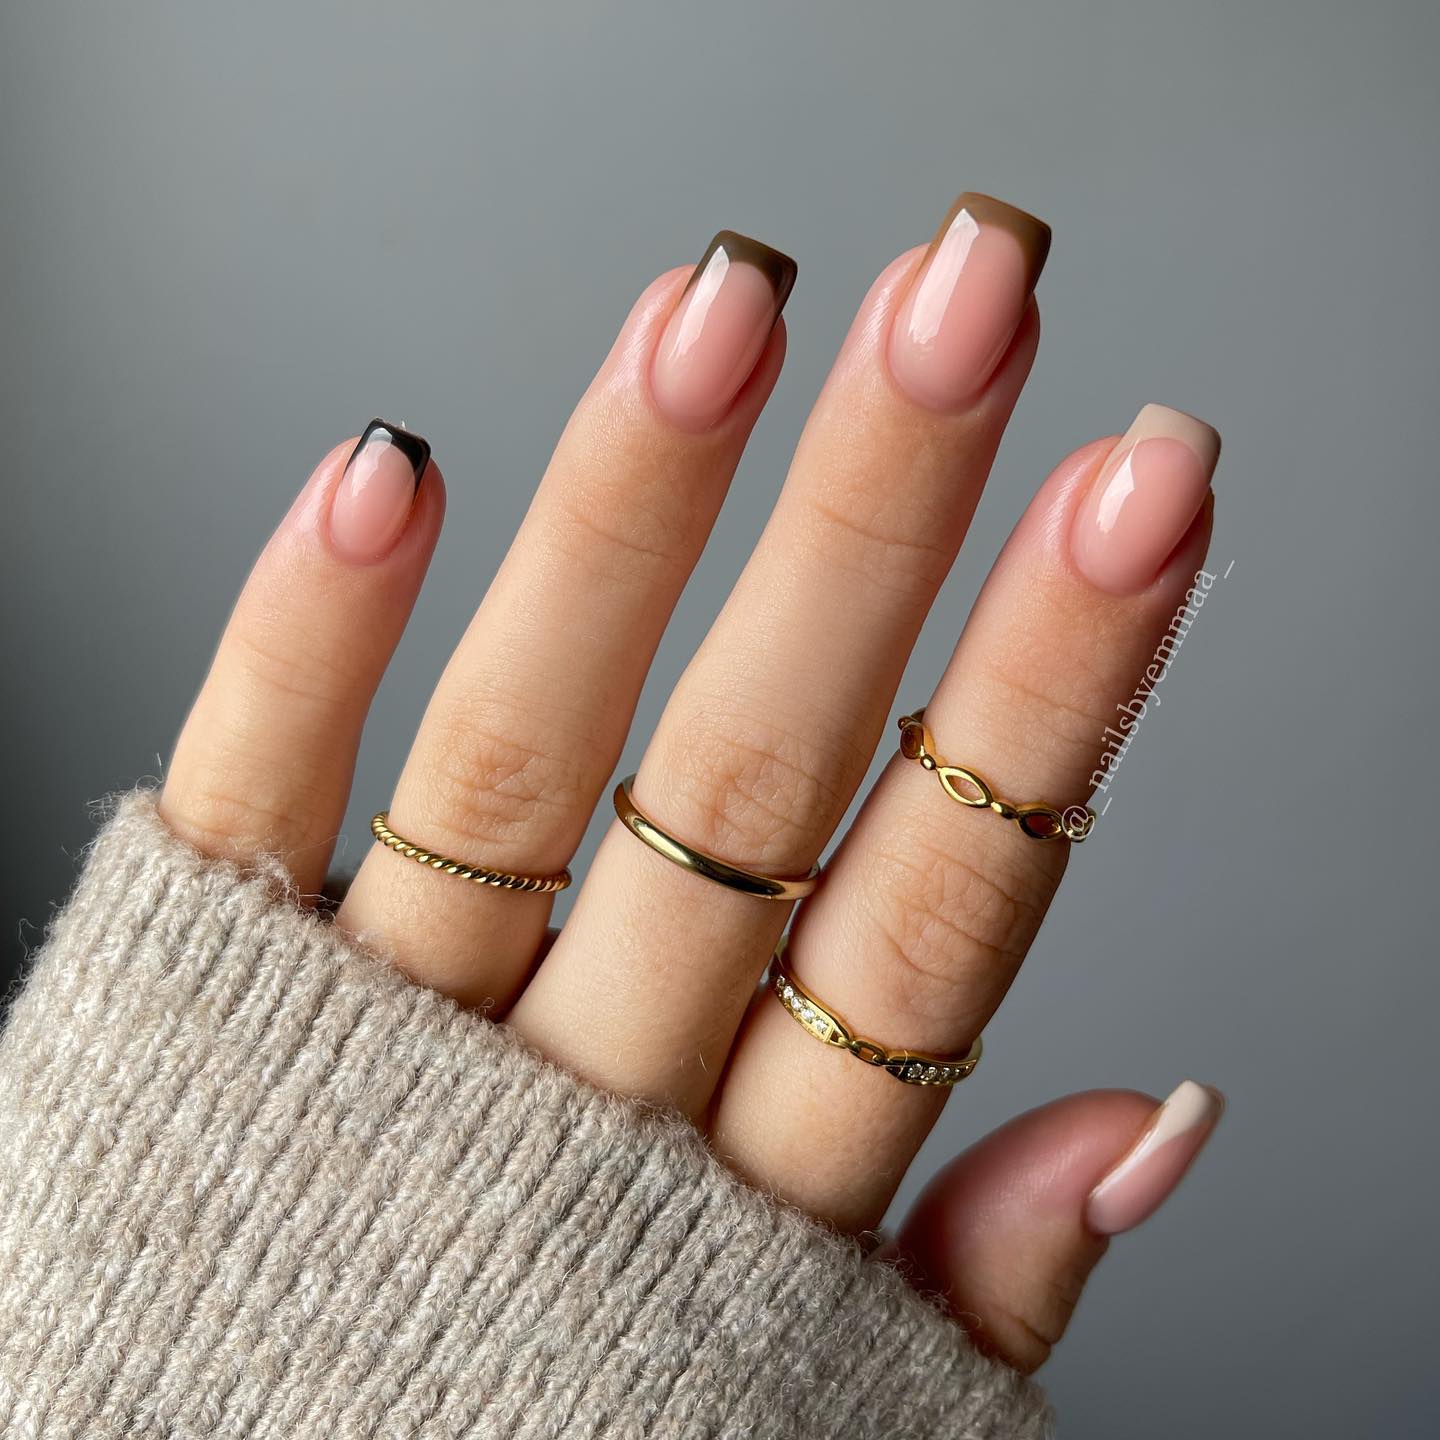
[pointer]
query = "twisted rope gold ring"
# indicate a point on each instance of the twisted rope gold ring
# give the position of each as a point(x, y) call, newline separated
point(480, 874)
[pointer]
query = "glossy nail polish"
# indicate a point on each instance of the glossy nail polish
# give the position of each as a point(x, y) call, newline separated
point(1156, 1163)
point(373, 499)
point(966, 301)
point(719, 329)
point(1145, 497)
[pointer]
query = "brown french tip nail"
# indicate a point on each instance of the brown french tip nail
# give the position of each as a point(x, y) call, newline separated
point(1029, 231)
point(778, 268)
point(720, 328)
point(373, 500)
point(415, 448)
point(967, 300)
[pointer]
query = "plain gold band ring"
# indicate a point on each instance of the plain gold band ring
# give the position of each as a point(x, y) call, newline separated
point(697, 862)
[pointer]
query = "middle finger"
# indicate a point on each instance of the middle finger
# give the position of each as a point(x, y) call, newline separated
point(772, 727)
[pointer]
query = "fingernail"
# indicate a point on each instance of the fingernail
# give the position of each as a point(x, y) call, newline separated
point(373, 500)
point(719, 328)
point(967, 301)
point(1157, 1162)
point(1148, 492)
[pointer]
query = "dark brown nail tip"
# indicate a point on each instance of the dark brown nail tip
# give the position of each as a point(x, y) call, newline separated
point(415, 448)
point(1032, 233)
point(777, 267)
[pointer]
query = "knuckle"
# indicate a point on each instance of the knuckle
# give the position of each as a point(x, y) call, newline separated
point(309, 675)
point(1064, 704)
point(492, 782)
point(951, 933)
point(221, 812)
point(1025, 1343)
point(752, 790)
point(887, 539)
point(616, 524)
point(1029, 1309)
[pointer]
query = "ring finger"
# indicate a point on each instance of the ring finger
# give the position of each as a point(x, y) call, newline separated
point(930, 906)
point(774, 723)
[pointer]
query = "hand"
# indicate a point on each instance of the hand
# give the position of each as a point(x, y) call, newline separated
point(928, 907)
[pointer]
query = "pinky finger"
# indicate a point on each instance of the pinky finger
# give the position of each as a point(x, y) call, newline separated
point(264, 762)
point(1008, 1233)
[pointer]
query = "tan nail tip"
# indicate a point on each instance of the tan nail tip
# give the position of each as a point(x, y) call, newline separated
point(1156, 419)
point(1190, 1106)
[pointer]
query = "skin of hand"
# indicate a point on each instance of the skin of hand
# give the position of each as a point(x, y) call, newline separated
point(926, 909)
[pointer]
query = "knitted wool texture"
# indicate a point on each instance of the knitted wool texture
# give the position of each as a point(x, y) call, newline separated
point(255, 1183)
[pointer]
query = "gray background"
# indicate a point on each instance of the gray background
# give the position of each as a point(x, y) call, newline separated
point(231, 234)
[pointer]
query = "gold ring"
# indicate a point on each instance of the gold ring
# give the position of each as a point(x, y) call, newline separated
point(480, 874)
point(907, 1066)
point(1035, 821)
point(697, 862)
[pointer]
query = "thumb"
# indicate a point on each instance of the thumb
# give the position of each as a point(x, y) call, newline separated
point(1008, 1232)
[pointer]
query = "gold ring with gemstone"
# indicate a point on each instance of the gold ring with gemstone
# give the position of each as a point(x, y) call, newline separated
point(1035, 821)
point(818, 1019)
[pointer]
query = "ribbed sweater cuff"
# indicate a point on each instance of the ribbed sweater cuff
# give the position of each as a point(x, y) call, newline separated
point(255, 1183)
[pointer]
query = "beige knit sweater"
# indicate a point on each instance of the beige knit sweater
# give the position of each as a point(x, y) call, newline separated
point(254, 1183)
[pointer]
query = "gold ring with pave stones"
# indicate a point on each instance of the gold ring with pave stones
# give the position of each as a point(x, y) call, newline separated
point(824, 1024)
